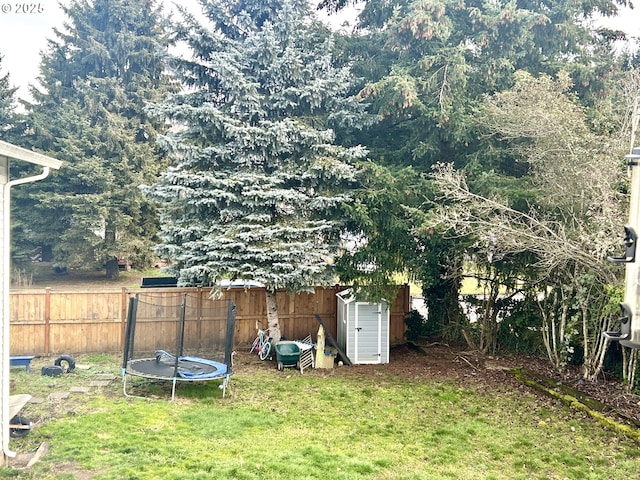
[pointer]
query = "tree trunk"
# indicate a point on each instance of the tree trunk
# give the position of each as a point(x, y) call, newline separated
point(554, 317)
point(113, 271)
point(546, 314)
point(489, 331)
point(443, 302)
point(595, 363)
point(633, 369)
point(272, 316)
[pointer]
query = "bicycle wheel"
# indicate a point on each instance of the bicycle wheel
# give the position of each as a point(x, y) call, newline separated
point(264, 351)
point(255, 346)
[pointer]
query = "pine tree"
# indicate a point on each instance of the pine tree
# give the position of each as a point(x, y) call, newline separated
point(97, 76)
point(257, 180)
point(8, 116)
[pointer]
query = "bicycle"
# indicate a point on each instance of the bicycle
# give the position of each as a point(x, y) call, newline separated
point(262, 343)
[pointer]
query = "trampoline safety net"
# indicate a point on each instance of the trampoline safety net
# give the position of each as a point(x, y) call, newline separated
point(179, 336)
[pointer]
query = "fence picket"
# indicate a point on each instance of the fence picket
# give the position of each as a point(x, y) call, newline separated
point(48, 322)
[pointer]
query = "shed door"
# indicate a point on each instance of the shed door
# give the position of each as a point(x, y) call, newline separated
point(368, 334)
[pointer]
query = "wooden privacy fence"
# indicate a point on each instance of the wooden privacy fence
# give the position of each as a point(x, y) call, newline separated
point(47, 322)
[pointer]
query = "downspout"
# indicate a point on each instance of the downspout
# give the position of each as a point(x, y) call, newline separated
point(6, 344)
point(34, 178)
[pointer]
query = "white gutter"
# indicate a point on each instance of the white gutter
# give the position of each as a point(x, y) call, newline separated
point(12, 151)
point(20, 181)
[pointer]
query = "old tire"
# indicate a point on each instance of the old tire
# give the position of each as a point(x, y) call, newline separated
point(19, 432)
point(68, 359)
point(52, 370)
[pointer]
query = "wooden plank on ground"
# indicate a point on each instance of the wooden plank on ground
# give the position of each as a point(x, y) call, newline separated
point(40, 452)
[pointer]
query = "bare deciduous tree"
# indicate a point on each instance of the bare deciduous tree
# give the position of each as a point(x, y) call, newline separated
point(574, 223)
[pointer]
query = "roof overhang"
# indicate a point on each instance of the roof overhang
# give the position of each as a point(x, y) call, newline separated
point(13, 152)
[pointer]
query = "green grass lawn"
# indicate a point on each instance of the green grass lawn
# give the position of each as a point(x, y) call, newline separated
point(347, 423)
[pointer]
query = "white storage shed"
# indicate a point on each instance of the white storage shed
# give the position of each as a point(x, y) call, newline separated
point(363, 329)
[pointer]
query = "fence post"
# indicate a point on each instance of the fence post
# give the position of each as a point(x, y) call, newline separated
point(124, 308)
point(199, 317)
point(47, 320)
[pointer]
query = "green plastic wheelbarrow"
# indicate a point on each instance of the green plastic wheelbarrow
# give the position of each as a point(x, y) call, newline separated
point(287, 354)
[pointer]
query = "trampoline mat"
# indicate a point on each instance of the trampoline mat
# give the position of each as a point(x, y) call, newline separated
point(189, 368)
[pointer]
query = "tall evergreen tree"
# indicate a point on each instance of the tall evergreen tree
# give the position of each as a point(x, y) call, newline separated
point(257, 180)
point(8, 116)
point(97, 75)
point(428, 66)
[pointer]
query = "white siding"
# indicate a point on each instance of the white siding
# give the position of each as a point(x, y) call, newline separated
point(384, 334)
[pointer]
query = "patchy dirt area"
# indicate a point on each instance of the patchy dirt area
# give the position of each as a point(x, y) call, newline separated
point(469, 369)
point(474, 369)
point(470, 366)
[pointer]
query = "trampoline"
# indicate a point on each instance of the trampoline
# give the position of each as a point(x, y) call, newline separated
point(179, 337)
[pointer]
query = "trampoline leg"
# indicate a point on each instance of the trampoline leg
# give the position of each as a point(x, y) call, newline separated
point(124, 384)
point(173, 389)
point(224, 385)
point(124, 388)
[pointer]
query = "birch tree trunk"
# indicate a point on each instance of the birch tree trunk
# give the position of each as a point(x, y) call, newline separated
point(593, 362)
point(596, 361)
point(555, 313)
point(272, 315)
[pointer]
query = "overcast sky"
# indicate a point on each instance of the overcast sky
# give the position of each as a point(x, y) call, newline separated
point(23, 34)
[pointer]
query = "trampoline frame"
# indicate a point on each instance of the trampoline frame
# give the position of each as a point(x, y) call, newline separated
point(128, 364)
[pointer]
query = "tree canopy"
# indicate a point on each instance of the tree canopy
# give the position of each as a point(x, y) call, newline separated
point(426, 68)
point(96, 77)
point(257, 181)
point(8, 104)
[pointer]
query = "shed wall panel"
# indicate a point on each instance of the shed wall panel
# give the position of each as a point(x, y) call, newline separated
point(364, 332)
